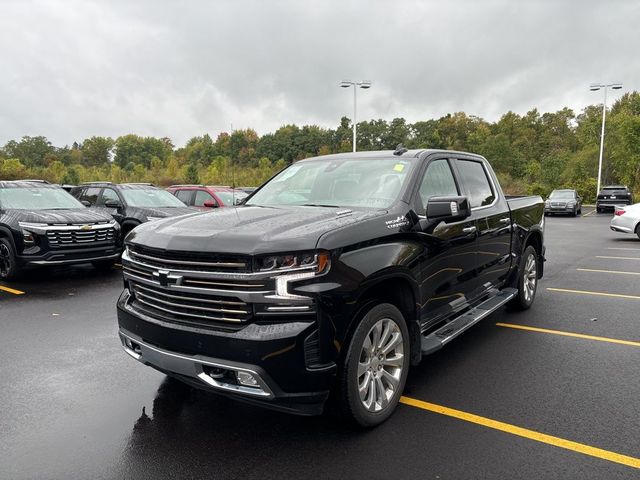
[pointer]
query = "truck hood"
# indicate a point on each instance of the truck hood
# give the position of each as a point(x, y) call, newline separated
point(248, 230)
point(67, 216)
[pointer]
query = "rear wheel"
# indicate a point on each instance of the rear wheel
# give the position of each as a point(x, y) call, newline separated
point(376, 366)
point(8, 263)
point(638, 230)
point(527, 280)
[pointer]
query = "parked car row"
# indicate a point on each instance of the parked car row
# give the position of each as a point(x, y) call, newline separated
point(48, 224)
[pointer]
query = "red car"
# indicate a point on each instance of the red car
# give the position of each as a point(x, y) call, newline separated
point(207, 196)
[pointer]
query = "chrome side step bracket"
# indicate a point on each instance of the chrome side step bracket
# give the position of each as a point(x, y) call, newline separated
point(438, 339)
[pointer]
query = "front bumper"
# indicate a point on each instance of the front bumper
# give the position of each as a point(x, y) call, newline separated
point(274, 354)
point(565, 209)
point(71, 256)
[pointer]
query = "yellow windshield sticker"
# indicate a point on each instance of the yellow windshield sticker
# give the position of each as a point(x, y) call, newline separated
point(398, 167)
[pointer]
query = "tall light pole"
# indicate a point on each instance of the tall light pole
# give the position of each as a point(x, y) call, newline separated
point(362, 84)
point(594, 87)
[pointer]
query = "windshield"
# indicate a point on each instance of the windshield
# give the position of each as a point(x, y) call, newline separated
point(349, 182)
point(562, 195)
point(228, 197)
point(150, 197)
point(36, 198)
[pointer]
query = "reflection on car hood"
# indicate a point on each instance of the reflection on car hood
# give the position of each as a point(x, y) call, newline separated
point(163, 212)
point(72, 215)
point(247, 229)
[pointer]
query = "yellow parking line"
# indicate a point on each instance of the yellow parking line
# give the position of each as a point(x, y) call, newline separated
point(586, 292)
point(11, 290)
point(569, 334)
point(590, 213)
point(622, 248)
point(606, 271)
point(524, 432)
point(619, 258)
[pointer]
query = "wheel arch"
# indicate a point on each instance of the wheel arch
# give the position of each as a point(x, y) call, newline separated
point(398, 289)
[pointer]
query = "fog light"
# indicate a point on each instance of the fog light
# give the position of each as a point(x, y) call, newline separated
point(245, 378)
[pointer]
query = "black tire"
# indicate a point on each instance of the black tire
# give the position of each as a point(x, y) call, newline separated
point(8, 265)
point(638, 231)
point(574, 213)
point(598, 210)
point(352, 406)
point(103, 265)
point(525, 297)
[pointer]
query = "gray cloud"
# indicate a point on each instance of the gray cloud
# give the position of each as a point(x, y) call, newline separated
point(77, 68)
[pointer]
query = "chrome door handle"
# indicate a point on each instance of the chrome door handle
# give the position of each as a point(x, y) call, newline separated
point(505, 220)
point(469, 230)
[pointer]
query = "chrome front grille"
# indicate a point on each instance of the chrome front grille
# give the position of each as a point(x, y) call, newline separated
point(197, 290)
point(192, 308)
point(71, 237)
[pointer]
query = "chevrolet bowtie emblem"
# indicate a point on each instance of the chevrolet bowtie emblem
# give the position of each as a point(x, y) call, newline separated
point(84, 228)
point(164, 278)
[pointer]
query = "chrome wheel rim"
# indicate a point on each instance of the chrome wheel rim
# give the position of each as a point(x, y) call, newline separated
point(530, 277)
point(5, 259)
point(380, 365)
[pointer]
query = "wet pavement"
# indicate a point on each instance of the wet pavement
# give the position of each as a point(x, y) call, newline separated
point(75, 406)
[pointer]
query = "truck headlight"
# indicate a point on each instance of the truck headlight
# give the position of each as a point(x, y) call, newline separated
point(293, 268)
point(303, 262)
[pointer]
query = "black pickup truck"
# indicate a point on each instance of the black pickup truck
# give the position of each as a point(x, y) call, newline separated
point(333, 277)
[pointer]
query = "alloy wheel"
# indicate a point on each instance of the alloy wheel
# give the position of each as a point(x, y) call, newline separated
point(5, 260)
point(530, 277)
point(380, 365)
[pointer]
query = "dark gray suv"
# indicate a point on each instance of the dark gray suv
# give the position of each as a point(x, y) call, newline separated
point(565, 201)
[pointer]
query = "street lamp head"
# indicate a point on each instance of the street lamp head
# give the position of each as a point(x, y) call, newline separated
point(616, 86)
point(594, 87)
point(365, 84)
point(345, 84)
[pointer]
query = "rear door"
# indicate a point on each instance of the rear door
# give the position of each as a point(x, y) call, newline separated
point(449, 253)
point(493, 220)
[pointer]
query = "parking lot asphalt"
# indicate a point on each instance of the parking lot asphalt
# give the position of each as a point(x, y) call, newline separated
point(553, 392)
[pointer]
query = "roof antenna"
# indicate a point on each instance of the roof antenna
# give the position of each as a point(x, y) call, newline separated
point(400, 149)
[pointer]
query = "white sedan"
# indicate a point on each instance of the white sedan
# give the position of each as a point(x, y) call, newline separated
point(626, 219)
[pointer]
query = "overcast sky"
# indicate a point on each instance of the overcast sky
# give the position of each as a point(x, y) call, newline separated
point(76, 68)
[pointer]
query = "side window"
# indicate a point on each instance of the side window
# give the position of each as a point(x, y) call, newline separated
point(109, 195)
point(437, 181)
point(477, 183)
point(201, 197)
point(91, 195)
point(184, 196)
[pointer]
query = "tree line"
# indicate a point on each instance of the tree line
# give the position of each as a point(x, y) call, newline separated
point(531, 153)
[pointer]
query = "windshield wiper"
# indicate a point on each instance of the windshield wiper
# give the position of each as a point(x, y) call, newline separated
point(319, 205)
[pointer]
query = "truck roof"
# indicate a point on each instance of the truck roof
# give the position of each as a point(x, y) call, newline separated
point(414, 153)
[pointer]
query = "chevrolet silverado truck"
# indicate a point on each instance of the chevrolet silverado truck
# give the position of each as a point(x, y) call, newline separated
point(332, 278)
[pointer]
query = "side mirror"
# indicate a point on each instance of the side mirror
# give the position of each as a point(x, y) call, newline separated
point(112, 204)
point(85, 203)
point(210, 204)
point(447, 209)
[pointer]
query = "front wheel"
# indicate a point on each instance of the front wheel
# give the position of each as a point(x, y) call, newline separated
point(527, 280)
point(8, 263)
point(376, 366)
point(638, 231)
